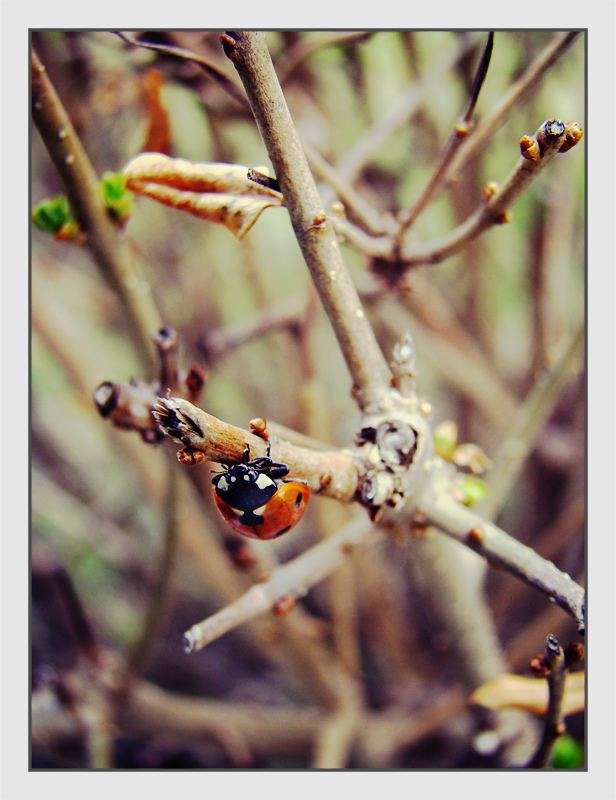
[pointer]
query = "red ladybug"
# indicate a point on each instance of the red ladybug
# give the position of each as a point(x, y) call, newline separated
point(253, 502)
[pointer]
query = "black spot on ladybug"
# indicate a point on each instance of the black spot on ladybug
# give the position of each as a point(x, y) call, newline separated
point(298, 500)
point(284, 530)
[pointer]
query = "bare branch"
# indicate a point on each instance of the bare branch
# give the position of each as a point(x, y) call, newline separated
point(292, 580)
point(333, 473)
point(316, 238)
point(210, 69)
point(82, 189)
point(524, 84)
point(555, 664)
point(503, 550)
point(457, 138)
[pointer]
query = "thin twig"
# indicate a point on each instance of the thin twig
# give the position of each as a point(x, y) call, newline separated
point(367, 215)
point(181, 53)
point(293, 579)
point(457, 138)
point(359, 154)
point(553, 726)
point(492, 212)
point(503, 550)
point(316, 238)
point(526, 426)
point(331, 472)
point(83, 191)
point(159, 599)
point(525, 83)
point(287, 64)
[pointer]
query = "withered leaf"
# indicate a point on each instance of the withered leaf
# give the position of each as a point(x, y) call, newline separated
point(220, 193)
point(529, 694)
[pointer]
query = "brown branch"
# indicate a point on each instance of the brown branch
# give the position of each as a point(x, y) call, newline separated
point(333, 473)
point(503, 550)
point(181, 53)
point(84, 195)
point(291, 580)
point(553, 727)
point(525, 83)
point(552, 135)
point(287, 64)
point(316, 238)
point(529, 421)
point(456, 140)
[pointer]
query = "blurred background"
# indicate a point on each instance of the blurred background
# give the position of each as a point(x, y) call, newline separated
point(488, 323)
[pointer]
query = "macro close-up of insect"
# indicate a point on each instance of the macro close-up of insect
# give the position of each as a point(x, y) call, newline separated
point(253, 502)
point(308, 400)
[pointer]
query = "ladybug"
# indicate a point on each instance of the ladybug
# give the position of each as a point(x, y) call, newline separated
point(254, 500)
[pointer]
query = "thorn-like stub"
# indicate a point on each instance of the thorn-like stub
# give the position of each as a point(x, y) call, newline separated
point(188, 642)
point(106, 398)
point(229, 44)
point(190, 457)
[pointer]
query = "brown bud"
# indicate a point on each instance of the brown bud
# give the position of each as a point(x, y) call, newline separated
point(529, 147)
point(490, 189)
point(258, 426)
point(190, 457)
point(573, 134)
point(476, 535)
point(463, 128)
point(539, 666)
point(194, 381)
point(574, 653)
point(284, 605)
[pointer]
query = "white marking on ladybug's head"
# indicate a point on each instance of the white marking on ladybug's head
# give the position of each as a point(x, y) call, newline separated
point(263, 481)
point(232, 478)
point(246, 477)
point(222, 484)
point(259, 511)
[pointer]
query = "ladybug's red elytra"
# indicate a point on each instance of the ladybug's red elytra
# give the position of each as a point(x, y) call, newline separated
point(254, 501)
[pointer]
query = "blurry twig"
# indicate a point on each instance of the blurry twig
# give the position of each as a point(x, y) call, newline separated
point(528, 422)
point(458, 136)
point(291, 580)
point(287, 64)
point(498, 548)
point(82, 189)
point(214, 72)
point(525, 83)
point(359, 154)
point(370, 219)
point(159, 598)
point(285, 314)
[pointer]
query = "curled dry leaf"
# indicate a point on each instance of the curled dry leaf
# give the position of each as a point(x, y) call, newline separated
point(529, 694)
point(217, 192)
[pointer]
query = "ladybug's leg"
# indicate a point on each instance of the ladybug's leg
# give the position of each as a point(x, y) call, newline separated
point(246, 454)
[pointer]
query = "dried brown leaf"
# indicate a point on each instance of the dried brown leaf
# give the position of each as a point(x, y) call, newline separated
point(220, 193)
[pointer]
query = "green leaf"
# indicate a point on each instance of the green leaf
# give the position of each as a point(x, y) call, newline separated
point(52, 214)
point(470, 489)
point(118, 199)
point(568, 754)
